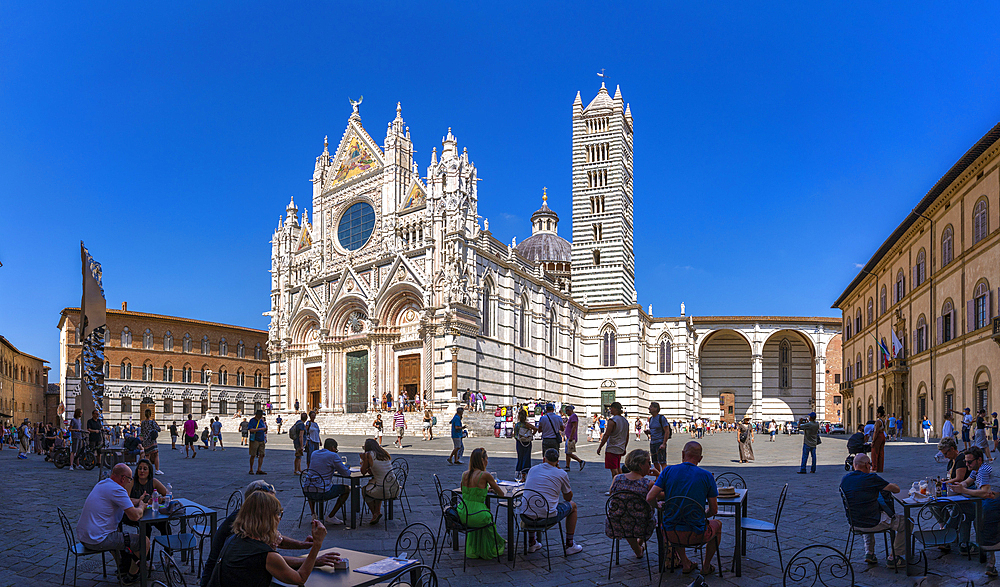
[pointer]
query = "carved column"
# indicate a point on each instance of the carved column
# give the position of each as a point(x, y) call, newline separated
point(757, 387)
point(820, 389)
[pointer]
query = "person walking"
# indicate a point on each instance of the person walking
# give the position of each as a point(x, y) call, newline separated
point(278, 421)
point(76, 436)
point(524, 434)
point(551, 426)
point(311, 437)
point(399, 425)
point(24, 439)
point(638, 428)
point(659, 434)
point(428, 425)
point(244, 432)
point(297, 433)
point(891, 431)
point(745, 438)
point(173, 435)
point(980, 437)
point(190, 436)
point(258, 438)
point(457, 435)
point(616, 437)
point(772, 430)
point(217, 434)
point(296, 405)
point(925, 426)
point(149, 430)
point(378, 425)
point(810, 441)
point(878, 440)
point(947, 429)
point(572, 436)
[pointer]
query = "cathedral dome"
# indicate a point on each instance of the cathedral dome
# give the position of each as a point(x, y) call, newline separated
point(545, 244)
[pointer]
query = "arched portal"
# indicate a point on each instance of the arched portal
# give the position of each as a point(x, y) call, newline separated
point(726, 367)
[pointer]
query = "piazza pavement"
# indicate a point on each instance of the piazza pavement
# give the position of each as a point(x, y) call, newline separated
point(33, 546)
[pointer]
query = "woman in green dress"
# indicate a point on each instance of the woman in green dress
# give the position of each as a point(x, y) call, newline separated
point(484, 543)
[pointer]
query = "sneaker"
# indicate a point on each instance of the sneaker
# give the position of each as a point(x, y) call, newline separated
point(871, 559)
point(566, 468)
point(159, 472)
point(583, 464)
point(535, 547)
point(23, 457)
point(574, 549)
point(335, 521)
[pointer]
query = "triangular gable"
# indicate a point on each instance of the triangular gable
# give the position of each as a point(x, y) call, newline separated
point(319, 293)
point(416, 198)
point(305, 240)
point(357, 154)
point(350, 284)
point(402, 269)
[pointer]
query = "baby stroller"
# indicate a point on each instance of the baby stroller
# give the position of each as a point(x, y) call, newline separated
point(856, 445)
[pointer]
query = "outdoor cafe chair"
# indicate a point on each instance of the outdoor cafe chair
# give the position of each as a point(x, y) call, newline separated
point(313, 486)
point(535, 517)
point(818, 564)
point(627, 510)
point(235, 502)
point(172, 574)
point(400, 464)
point(852, 531)
point(425, 577)
point(418, 542)
point(754, 525)
point(452, 522)
point(198, 530)
point(729, 479)
point(683, 511)
point(77, 549)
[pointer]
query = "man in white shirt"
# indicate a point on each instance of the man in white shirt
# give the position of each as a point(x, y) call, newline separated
point(553, 484)
point(103, 510)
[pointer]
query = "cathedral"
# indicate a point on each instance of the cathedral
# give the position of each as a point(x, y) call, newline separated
point(396, 285)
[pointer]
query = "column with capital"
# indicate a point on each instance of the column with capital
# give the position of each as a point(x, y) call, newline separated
point(757, 387)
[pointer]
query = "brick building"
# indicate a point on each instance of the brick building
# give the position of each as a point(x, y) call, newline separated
point(23, 379)
point(171, 365)
point(834, 401)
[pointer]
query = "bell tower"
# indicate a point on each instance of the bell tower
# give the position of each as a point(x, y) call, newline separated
point(603, 258)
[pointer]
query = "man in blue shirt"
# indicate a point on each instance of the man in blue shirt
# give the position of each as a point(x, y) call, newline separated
point(457, 431)
point(326, 462)
point(863, 490)
point(257, 427)
point(688, 480)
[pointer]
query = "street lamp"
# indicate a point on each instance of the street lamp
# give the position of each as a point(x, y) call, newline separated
point(208, 380)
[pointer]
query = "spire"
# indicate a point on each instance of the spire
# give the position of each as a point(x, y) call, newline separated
point(602, 86)
point(434, 155)
point(545, 197)
point(578, 101)
point(291, 213)
point(398, 126)
point(618, 92)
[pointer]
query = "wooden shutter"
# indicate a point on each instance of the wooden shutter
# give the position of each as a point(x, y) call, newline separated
point(940, 331)
point(954, 327)
point(989, 304)
point(915, 334)
point(970, 315)
point(913, 276)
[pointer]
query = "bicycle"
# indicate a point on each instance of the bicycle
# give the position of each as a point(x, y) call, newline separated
point(86, 457)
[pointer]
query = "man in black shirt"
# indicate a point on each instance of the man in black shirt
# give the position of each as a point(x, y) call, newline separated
point(856, 443)
point(173, 435)
point(94, 430)
point(863, 491)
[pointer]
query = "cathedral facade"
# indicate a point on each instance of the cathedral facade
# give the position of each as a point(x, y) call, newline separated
point(394, 285)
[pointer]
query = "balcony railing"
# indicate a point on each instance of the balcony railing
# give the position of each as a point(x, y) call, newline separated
point(996, 330)
point(846, 386)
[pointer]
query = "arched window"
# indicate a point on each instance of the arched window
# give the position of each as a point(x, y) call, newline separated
point(147, 339)
point(597, 256)
point(186, 374)
point(847, 332)
point(223, 376)
point(76, 369)
point(882, 302)
point(487, 300)
point(147, 371)
point(126, 337)
point(168, 373)
point(946, 328)
point(186, 343)
point(257, 352)
point(522, 326)
point(981, 306)
point(785, 362)
point(126, 370)
point(240, 377)
point(947, 245)
point(920, 335)
point(258, 379)
point(241, 350)
point(920, 271)
point(857, 366)
point(168, 341)
point(608, 354)
point(553, 334)
point(900, 286)
point(107, 369)
point(205, 345)
point(871, 311)
point(204, 374)
point(223, 348)
point(665, 359)
point(980, 222)
point(857, 321)
point(871, 359)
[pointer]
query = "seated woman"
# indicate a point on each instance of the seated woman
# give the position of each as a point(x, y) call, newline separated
point(473, 512)
point(249, 558)
point(635, 481)
point(143, 486)
point(375, 461)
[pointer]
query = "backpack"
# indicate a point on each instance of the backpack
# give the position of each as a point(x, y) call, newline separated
point(293, 432)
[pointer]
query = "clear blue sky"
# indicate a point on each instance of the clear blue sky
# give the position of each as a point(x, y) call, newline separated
point(775, 146)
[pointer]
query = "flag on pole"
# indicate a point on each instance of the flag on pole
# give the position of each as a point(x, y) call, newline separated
point(93, 306)
point(896, 345)
point(884, 351)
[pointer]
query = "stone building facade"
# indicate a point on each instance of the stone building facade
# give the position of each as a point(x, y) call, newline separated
point(23, 380)
point(835, 408)
point(934, 283)
point(173, 366)
point(397, 285)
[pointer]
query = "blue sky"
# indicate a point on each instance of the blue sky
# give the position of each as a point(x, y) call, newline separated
point(776, 146)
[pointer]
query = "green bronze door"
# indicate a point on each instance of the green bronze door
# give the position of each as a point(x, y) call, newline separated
point(357, 382)
point(607, 398)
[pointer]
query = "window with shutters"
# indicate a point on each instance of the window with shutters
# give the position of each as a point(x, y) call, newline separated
point(920, 271)
point(980, 221)
point(922, 407)
point(981, 306)
point(785, 363)
point(946, 331)
point(920, 335)
point(608, 356)
point(857, 367)
point(665, 360)
point(947, 245)
point(882, 302)
point(871, 360)
point(949, 400)
point(847, 331)
point(900, 286)
point(857, 321)
point(871, 311)
point(983, 397)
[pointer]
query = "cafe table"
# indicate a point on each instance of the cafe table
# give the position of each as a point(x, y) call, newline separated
point(909, 504)
point(355, 480)
point(511, 490)
point(188, 511)
point(329, 577)
point(739, 504)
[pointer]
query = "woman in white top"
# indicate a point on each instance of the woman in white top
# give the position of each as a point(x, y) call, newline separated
point(375, 461)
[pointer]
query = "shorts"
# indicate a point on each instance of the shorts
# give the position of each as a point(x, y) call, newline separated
point(427, 425)
point(570, 447)
point(190, 440)
point(116, 541)
point(563, 509)
point(693, 538)
point(329, 494)
point(457, 442)
point(75, 445)
point(257, 448)
point(548, 443)
point(612, 460)
point(298, 449)
point(657, 454)
point(965, 434)
point(400, 431)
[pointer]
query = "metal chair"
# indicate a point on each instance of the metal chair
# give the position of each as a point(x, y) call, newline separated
point(818, 565)
point(627, 510)
point(418, 576)
point(729, 479)
point(535, 517)
point(191, 541)
point(417, 541)
point(400, 464)
point(683, 512)
point(753, 525)
point(235, 502)
point(77, 549)
point(852, 531)
point(313, 486)
point(395, 477)
point(451, 505)
point(171, 572)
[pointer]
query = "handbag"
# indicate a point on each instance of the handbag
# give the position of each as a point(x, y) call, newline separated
point(524, 436)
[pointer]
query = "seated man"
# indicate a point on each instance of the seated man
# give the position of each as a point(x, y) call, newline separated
point(689, 480)
point(856, 443)
point(225, 530)
point(978, 485)
point(553, 483)
point(863, 489)
point(326, 461)
point(98, 526)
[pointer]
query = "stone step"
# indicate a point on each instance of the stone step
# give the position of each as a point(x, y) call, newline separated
point(479, 423)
